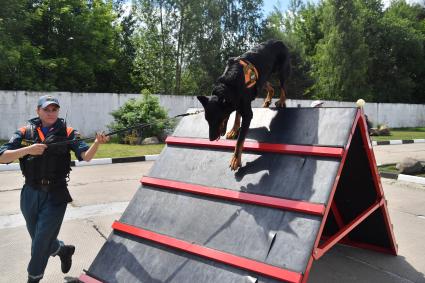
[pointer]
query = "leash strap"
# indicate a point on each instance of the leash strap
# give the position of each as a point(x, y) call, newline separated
point(138, 126)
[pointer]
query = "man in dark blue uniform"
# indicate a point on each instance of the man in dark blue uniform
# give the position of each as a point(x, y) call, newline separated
point(46, 168)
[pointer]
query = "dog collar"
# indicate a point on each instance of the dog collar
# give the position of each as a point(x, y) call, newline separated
point(250, 73)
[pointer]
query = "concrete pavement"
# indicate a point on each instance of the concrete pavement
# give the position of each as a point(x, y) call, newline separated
point(101, 192)
point(386, 154)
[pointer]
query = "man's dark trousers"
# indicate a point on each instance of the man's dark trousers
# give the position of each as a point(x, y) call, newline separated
point(44, 219)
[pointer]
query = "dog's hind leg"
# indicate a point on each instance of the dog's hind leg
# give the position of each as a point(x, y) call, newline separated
point(282, 99)
point(270, 93)
point(233, 133)
point(284, 73)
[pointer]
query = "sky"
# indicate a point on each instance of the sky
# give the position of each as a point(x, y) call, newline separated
point(269, 5)
point(283, 4)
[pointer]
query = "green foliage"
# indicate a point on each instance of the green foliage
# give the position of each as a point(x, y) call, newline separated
point(184, 44)
point(146, 110)
point(18, 57)
point(67, 45)
point(343, 50)
point(340, 50)
point(340, 62)
point(402, 54)
point(296, 32)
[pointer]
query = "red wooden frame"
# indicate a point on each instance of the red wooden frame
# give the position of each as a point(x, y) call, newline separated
point(274, 202)
point(377, 179)
point(322, 243)
point(340, 237)
point(323, 248)
point(219, 256)
point(337, 215)
point(262, 147)
point(87, 279)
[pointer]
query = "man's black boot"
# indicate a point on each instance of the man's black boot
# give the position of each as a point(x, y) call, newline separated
point(65, 253)
point(31, 280)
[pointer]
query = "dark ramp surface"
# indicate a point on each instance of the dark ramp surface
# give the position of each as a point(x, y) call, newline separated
point(286, 176)
point(273, 236)
point(303, 126)
point(131, 259)
point(240, 229)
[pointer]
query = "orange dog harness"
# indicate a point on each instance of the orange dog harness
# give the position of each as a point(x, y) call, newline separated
point(250, 72)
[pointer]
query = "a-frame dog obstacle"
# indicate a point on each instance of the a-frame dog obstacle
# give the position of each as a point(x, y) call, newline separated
point(309, 181)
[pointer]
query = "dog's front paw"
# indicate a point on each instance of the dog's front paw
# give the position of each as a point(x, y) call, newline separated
point(235, 162)
point(233, 134)
point(266, 104)
point(280, 104)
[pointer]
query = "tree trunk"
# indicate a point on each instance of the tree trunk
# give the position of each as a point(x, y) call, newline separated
point(179, 53)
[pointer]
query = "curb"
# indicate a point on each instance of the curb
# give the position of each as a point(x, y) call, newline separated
point(402, 177)
point(98, 161)
point(392, 142)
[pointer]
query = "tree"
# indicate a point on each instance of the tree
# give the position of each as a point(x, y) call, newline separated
point(299, 28)
point(153, 67)
point(18, 57)
point(185, 43)
point(340, 62)
point(402, 54)
point(69, 45)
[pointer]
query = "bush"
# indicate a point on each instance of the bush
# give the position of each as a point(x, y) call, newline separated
point(146, 110)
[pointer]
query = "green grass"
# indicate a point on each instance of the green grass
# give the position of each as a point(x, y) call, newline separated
point(402, 134)
point(390, 168)
point(114, 150)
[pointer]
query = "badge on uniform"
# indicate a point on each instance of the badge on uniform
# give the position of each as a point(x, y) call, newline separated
point(77, 135)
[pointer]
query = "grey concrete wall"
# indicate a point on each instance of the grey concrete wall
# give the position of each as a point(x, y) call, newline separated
point(90, 112)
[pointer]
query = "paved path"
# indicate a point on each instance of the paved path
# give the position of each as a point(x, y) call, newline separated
point(386, 154)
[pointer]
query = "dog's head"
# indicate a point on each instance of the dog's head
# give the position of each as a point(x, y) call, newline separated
point(217, 114)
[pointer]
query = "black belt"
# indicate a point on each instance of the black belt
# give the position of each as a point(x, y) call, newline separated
point(45, 185)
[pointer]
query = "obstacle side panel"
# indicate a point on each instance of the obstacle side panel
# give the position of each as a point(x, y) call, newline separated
point(356, 192)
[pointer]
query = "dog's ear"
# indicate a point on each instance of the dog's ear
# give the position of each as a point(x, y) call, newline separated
point(203, 100)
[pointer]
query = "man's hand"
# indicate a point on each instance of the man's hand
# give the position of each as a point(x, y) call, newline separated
point(89, 154)
point(101, 138)
point(36, 149)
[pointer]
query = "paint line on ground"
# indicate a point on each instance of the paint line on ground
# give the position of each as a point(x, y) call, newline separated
point(152, 157)
point(72, 213)
point(10, 167)
point(413, 179)
point(98, 161)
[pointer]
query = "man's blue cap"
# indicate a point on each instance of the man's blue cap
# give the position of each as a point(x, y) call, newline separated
point(46, 100)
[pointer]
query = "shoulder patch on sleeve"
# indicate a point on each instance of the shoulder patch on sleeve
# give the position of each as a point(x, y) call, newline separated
point(23, 130)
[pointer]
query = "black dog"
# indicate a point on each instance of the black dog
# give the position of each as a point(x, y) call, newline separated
point(241, 82)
